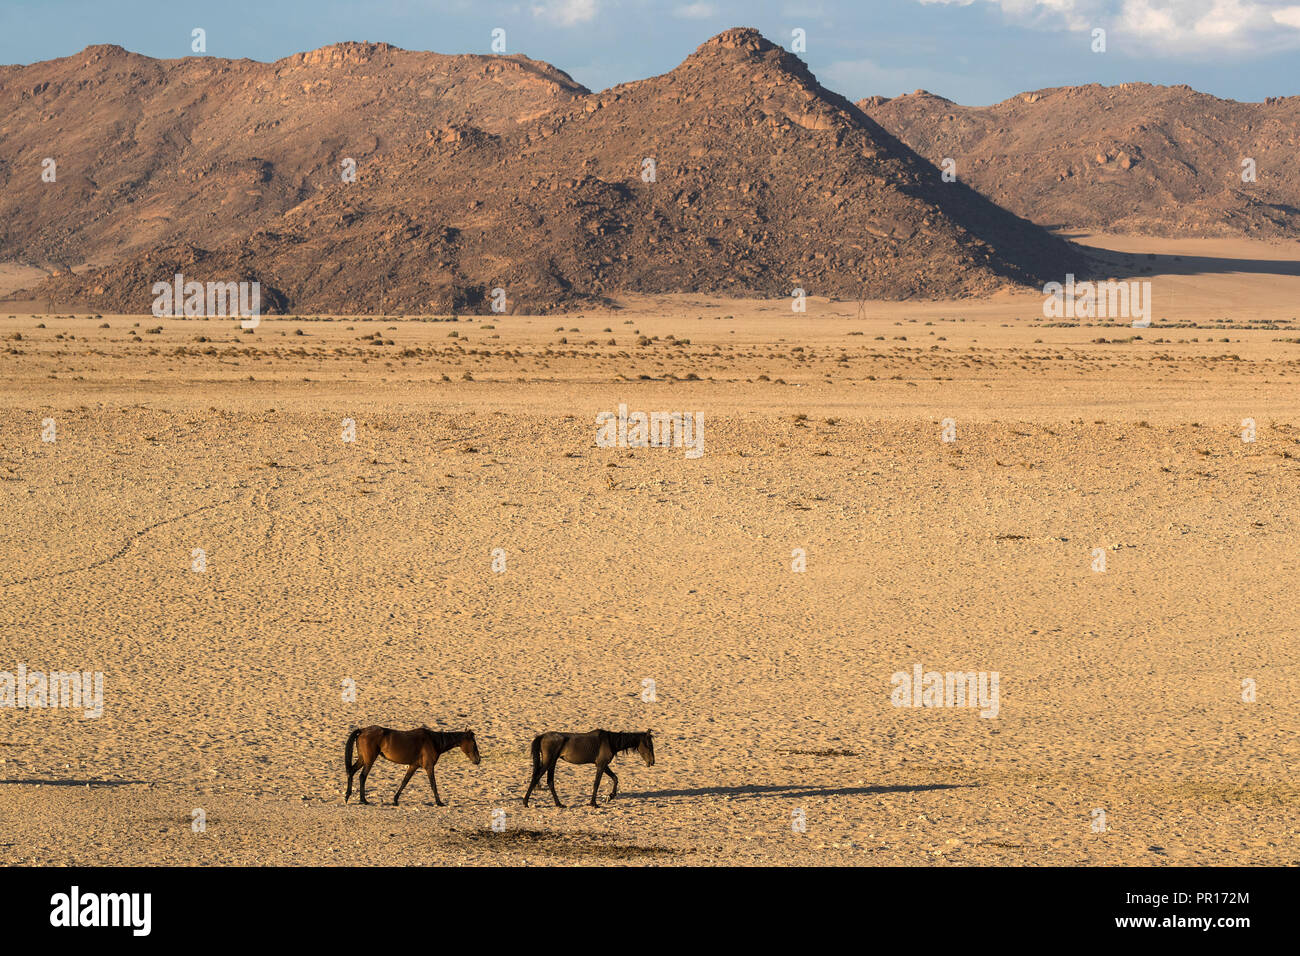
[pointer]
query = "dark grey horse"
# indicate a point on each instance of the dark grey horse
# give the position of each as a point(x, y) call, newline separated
point(596, 746)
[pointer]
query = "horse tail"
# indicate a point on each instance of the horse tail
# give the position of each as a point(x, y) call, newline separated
point(347, 751)
point(537, 752)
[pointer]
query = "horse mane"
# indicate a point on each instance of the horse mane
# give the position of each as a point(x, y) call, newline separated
point(623, 741)
point(444, 738)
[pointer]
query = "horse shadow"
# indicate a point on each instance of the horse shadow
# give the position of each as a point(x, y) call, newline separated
point(756, 790)
point(72, 783)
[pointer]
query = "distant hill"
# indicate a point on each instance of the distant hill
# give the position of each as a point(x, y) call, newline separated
point(1135, 158)
point(510, 175)
point(206, 150)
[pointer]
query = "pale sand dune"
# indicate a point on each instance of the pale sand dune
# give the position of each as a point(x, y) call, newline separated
point(372, 561)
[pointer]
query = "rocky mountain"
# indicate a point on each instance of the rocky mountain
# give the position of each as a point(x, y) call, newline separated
point(201, 149)
point(1134, 158)
point(736, 173)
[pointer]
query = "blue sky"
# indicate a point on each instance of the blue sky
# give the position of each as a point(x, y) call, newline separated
point(972, 51)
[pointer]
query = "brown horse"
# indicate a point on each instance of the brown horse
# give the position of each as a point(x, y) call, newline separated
point(596, 746)
point(417, 748)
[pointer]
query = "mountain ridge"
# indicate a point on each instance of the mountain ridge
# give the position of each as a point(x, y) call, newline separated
point(763, 181)
point(1132, 158)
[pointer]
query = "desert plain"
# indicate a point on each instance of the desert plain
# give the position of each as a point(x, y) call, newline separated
point(472, 558)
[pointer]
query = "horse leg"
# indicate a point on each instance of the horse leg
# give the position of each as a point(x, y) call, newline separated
point(410, 772)
point(365, 772)
point(600, 770)
point(537, 778)
point(615, 779)
point(433, 781)
point(550, 780)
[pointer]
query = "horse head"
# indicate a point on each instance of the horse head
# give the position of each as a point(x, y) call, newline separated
point(646, 748)
point(470, 746)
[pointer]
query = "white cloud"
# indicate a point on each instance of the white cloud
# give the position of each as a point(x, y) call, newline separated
point(566, 13)
point(695, 11)
point(1172, 27)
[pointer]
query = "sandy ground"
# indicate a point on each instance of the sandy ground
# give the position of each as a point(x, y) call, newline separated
point(371, 561)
